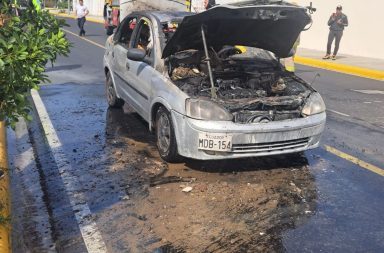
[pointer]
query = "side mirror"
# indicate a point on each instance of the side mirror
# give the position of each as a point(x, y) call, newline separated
point(136, 54)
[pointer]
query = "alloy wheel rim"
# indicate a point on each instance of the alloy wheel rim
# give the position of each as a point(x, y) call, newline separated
point(110, 90)
point(164, 133)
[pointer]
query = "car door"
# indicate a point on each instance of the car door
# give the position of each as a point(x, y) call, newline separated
point(119, 54)
point(142, 72)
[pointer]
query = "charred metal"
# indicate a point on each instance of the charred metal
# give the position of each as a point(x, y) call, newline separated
point(254, 91)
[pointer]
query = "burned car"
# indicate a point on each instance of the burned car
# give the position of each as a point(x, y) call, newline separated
point(211, 85)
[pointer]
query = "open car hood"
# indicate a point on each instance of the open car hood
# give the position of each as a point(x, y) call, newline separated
point(271, 27)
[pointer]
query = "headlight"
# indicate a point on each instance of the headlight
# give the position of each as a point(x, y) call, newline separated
point(207, 110)
point(313, 105)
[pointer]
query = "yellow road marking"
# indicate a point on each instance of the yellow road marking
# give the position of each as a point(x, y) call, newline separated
point(355, 160)
point(90, 41)
point(342, 68)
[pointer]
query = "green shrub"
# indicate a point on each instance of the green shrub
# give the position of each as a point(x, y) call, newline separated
point(27, 43)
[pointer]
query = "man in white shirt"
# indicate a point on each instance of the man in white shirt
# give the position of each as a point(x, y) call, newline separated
point(202, 5)
point(81, 12)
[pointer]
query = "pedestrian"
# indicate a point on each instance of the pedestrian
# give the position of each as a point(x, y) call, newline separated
point(209, 4)
point(202, 5)
point(81, 13)
point(336, 24)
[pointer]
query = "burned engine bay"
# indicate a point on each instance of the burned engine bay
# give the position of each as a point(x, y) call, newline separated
point(252, 90)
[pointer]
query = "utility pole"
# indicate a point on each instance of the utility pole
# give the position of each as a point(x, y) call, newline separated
point(69, 7)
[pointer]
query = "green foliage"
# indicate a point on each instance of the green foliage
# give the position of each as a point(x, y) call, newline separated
point(27, 43)
point(62, 4)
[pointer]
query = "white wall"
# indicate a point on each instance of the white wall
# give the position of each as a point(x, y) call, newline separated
point(363, 37)
point(95, 7)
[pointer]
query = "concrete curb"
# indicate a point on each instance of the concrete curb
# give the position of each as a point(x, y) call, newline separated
point(5, 240)
point(342, 68)
point(90, 19)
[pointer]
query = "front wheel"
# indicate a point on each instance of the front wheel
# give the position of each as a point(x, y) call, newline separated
point(113, 100)
point(165, 136)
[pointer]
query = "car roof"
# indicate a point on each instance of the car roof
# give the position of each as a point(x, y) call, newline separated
point(164, 16)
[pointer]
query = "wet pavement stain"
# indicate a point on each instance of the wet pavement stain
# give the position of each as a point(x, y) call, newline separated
point(234, 206)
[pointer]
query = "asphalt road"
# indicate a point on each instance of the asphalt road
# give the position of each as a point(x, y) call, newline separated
point(105, 173)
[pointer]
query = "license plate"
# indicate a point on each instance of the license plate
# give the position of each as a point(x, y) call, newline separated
point(215, 142)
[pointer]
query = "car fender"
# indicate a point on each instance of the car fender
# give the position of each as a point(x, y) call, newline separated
point(155, 101)
point(106, 66)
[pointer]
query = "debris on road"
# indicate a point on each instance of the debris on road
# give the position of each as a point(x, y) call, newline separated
point(187, 189)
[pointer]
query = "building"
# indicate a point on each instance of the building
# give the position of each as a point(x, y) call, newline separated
point(363, 36)
point(95, 7)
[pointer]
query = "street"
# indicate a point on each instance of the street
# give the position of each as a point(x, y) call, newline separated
point(105, 188)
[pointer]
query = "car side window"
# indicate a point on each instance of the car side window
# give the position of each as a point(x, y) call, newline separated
point(144, 38)
point(126, 31)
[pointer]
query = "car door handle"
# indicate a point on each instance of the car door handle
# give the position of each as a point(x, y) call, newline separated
point(127, 66)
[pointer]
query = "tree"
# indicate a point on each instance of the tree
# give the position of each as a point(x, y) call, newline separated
point(27, 42)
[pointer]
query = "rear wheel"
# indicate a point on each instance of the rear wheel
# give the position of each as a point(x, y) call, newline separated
point(165, 136)
point(113, 100)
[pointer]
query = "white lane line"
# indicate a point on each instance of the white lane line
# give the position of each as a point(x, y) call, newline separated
point(87, 40)
point(88, 228)
point(370, 92)
point(340, 113)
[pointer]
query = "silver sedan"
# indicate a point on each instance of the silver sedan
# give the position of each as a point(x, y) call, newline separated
point(204, 96)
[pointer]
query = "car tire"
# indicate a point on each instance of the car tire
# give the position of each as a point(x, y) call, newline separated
point(165, 136)
point(109, 30)
point(113, 100)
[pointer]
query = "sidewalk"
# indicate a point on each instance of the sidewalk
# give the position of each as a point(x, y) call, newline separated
point(96, 19)
point(362, 62)
point(349, 64)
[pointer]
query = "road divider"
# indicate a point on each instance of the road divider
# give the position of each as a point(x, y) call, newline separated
point(5, 226)
point(342, 68)
point(355, 160)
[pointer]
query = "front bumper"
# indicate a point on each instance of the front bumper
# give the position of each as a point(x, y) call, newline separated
point(249, 140)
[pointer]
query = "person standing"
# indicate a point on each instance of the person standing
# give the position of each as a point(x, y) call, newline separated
point(81, 12)
point(199, 6)
point(336, 24)
point(209, 4)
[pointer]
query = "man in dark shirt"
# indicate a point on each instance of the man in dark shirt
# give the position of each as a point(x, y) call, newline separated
point(336, 24)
